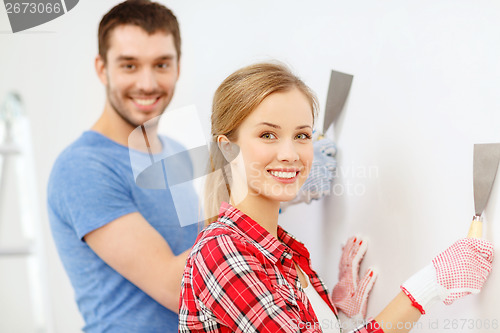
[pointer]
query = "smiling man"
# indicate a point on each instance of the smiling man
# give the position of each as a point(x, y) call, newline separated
point(122, 246)
point(139, 71)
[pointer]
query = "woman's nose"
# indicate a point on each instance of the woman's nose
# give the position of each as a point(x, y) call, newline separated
point(288, 152)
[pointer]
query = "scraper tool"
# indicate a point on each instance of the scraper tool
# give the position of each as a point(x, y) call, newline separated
point(486, 158)
point(338, 90)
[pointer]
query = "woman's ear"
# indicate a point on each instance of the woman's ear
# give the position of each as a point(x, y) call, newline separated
point(228, 149)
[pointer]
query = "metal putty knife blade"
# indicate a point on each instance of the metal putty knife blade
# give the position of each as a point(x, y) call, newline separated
point(338, 90)
point(486, 158)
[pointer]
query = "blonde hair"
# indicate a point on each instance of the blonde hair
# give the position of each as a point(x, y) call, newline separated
point(237, 96)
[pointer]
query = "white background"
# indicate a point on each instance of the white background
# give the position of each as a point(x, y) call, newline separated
point(425, 89)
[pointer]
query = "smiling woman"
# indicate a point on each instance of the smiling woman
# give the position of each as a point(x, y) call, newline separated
point(275, 145)
point(245, 273)
point(265, 110)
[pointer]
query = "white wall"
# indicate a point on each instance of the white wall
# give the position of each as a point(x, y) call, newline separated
point(426, 79)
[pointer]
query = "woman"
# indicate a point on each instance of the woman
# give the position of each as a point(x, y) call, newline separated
point(245, 273)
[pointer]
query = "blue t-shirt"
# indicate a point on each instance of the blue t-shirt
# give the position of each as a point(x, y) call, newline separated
point(92, 183)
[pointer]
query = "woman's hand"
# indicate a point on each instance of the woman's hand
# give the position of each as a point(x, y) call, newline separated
point(460, 270)
point(350, 295)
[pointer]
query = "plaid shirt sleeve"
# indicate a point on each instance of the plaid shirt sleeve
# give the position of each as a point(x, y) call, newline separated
point(227, 289)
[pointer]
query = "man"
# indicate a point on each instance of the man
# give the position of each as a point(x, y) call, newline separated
point(122, 246)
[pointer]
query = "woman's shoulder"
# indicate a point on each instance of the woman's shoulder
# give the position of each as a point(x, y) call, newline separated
point(216, 234)
point(217, 242)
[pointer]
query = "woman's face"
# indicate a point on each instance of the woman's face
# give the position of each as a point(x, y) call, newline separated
point(276, 148)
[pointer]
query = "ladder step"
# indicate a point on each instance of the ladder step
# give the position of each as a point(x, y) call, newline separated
point(16, 251)
point(9, 149)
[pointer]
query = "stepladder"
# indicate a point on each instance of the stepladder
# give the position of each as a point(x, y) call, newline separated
point(24, 301)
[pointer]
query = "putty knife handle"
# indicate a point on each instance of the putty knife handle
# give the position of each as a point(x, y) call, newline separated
point(476, 228)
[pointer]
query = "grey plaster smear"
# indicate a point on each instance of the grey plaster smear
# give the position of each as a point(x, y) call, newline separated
point(26, 14)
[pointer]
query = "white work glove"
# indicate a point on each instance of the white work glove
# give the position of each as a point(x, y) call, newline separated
point(350, 295)
point(458, 271)
point(320, 180)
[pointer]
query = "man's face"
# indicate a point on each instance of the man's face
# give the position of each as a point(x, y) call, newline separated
point(140, 73)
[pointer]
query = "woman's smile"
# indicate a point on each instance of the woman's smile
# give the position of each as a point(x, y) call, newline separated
point(275, 148)
point(286, 176)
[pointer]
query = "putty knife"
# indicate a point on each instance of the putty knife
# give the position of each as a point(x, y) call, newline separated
point(486, 158)
point(338, 90)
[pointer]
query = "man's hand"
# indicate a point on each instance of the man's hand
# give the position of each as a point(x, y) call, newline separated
point(350, 295)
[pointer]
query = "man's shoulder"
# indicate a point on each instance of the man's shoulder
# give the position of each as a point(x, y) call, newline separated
point(88, 157)
point(87, 176)
point(89, 147)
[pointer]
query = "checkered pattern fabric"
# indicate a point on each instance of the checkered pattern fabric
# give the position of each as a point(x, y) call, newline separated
point(458, 271)
point(463, 267)
point(239, 278)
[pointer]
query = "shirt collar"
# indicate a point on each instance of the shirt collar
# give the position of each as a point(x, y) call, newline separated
point(286, 245)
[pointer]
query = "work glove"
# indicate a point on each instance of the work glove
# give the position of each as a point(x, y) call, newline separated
point(351, 293)
point(460, 270)
point(320, 180)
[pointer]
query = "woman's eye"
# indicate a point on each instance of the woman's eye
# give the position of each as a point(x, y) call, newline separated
point(303, 136)
point(269, 136)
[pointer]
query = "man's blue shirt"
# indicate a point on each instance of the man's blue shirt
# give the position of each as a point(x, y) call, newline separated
point(92, 183)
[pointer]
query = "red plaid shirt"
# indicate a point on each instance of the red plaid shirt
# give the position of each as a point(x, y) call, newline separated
point(240, 278)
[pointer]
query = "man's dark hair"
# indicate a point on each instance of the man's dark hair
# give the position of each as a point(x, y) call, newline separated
point(150, 16)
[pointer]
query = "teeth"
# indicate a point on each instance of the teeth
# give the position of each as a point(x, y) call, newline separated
point(145, 101)
point(282, 174)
